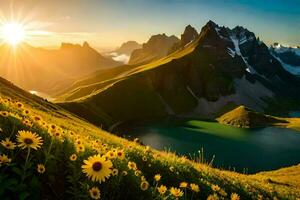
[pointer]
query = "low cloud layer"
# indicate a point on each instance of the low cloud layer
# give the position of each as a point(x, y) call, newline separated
point(120, 57)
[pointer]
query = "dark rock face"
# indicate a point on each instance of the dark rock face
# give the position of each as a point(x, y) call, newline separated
point(189, 35)
point(157, 47)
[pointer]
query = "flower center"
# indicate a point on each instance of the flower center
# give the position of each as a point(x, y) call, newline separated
point(28, 141)
point(95, 193)
point(97, 166)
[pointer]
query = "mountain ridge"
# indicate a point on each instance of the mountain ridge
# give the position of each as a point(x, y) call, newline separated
point(41, 69)
point(222, 66)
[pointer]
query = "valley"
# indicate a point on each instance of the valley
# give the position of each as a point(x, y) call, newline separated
point(150, 100)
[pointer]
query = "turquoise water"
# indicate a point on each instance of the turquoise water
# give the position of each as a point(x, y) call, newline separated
point(294, 114)
point(250, 149)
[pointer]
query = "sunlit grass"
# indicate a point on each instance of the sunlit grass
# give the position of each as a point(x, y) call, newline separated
point(73, 159)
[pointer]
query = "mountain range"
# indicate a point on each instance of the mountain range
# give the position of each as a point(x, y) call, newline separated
point(289, 57)
point(46, 70)
point(204, 75)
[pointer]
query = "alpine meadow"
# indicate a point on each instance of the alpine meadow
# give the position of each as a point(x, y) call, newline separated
point(150, 100)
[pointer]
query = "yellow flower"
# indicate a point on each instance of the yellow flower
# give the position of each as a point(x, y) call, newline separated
point(120, 154)
point(124, 173)
point(132, 165)
point(52, 127)
point(94, 193)
point(215, 188)
point(8, 144)
point(73, 157)
point(235, 196)
point(80, 148)
point(176, 192)
point(110, 154)
point(194, 187)
point(57, 134)
point(78, 142)
point(144, 158)
point(171, 169)
point(26, 122)
point(37, 118)
point(212, 197)
point(19, 105)
point(157, 177)
point(137, 172)
point(4, 113)
point(183, 184)
point(143, 178)
point(4, 159)
point(97, 168)
point(28, 139)
point(115, 172)
point(26, 112)
point(144, 185)
point(41, 168)
point(162, 189)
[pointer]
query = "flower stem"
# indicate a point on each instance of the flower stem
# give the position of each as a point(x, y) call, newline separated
point(49, 150)
point(25, 166)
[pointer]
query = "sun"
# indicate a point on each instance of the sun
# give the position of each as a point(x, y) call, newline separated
point(13, 33)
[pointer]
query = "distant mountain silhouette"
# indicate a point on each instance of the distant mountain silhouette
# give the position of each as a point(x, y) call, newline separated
point(48, 70)
point(128, 47)
point(156, 47)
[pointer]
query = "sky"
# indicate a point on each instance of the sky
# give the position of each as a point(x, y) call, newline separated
point(105, 24)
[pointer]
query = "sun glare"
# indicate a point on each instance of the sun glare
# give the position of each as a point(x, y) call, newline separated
point(13, 33)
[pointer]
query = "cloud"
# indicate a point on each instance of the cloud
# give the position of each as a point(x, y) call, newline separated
point(120, 57)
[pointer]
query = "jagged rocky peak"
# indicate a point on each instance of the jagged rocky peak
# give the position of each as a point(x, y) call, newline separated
point(85, 45)
point(160, 41)
point(189, 35)
point(156, 47)
point(65, 45)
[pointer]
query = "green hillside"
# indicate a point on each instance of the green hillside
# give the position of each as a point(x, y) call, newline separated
point(46, 154)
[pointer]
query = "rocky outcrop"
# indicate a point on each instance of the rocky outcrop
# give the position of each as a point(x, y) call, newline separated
point(156, 47)
point(189, 35)
point(244, 117)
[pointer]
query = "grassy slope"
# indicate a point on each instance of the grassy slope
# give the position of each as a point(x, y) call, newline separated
point(118, 74)
point(108, 94)
point(63, 179)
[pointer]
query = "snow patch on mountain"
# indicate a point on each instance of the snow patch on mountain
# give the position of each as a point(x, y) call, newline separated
point(278, 48)
point(247, 93)
point(236, 45)
point(291, 69)
point(231, 52)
